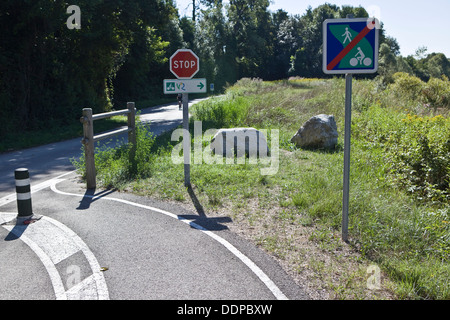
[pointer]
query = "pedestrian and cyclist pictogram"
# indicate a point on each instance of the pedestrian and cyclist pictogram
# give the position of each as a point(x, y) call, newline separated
point(350, 46)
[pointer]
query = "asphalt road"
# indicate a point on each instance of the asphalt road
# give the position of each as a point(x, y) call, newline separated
point(110, 245)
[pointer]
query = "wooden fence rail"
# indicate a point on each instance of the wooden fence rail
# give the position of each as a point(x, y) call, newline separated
point(89, 139)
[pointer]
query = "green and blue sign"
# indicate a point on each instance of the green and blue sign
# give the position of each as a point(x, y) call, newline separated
point(350, 46)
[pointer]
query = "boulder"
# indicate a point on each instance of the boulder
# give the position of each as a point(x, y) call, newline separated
point(318, 132)
point(240, 142)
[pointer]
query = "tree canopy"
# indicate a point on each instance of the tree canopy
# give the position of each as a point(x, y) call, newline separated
point(49, 72)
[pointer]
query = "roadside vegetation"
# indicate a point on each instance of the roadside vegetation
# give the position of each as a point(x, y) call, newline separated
point(121, 53)
point(400, 174)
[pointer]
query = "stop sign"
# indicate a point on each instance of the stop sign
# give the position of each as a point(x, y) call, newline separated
point(184, 64)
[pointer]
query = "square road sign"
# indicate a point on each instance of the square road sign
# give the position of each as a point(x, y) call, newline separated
point(350, 45)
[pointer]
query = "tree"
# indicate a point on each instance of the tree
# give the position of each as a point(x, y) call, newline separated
point(50, 65)
point(387, 63)
point(288, 41)
point(358, 12)
point(49, 72)
point(307, 61)
point(250, 35)
point(421, 52)
point(188, 28)
point(437, 65)
point(212, 44)
point(393, 45)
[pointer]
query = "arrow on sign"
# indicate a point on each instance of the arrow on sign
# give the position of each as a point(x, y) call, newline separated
point(201, 85)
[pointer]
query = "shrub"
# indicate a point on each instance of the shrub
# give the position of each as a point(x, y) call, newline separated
point(420, 156)
point(406, 86)
point(437, 93)
point(416, 149)
point(434, 93)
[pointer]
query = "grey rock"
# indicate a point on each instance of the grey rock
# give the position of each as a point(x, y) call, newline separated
point(318, 132)
point(240, 141)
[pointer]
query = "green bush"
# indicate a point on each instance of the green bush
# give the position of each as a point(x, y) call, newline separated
point(437, 93)
point(417, 149)
point(420, 156)
point(406, 86)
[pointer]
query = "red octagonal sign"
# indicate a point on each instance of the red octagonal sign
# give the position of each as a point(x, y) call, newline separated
point(184, 64)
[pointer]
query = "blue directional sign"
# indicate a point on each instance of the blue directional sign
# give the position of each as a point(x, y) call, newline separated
point(350, 45)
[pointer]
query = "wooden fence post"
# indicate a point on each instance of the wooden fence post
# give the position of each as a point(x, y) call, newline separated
point(88, 141)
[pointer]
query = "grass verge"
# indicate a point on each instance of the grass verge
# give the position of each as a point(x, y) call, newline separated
point(295, 215)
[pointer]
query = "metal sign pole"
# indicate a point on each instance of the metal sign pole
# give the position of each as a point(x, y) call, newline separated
point(347, 138)
point(354, 50)
point(186, 141)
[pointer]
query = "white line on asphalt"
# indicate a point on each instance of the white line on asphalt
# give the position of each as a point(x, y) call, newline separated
point(13, 197)
point(51, 250)
point(85, 290)
point(55, 278)
point(250, 264)
point(62, 244)
point(100, 282)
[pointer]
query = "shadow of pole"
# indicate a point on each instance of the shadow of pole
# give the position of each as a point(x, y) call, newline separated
point(90, 196)
point(212, 224)
point(197, 204)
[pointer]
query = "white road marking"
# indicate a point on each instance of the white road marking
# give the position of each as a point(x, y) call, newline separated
point(53, 241)
point(84, 290)
point(99, 279)
point(53, 249)
point(13, 197)
point(55, 278)
point(250, 264)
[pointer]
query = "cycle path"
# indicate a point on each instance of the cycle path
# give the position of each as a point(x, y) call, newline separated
point(110, 245)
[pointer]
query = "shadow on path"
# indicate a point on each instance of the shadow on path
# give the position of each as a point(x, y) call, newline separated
point(212, 224)
point(90, 196)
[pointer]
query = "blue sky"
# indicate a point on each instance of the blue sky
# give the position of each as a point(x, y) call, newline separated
point(413, 23)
